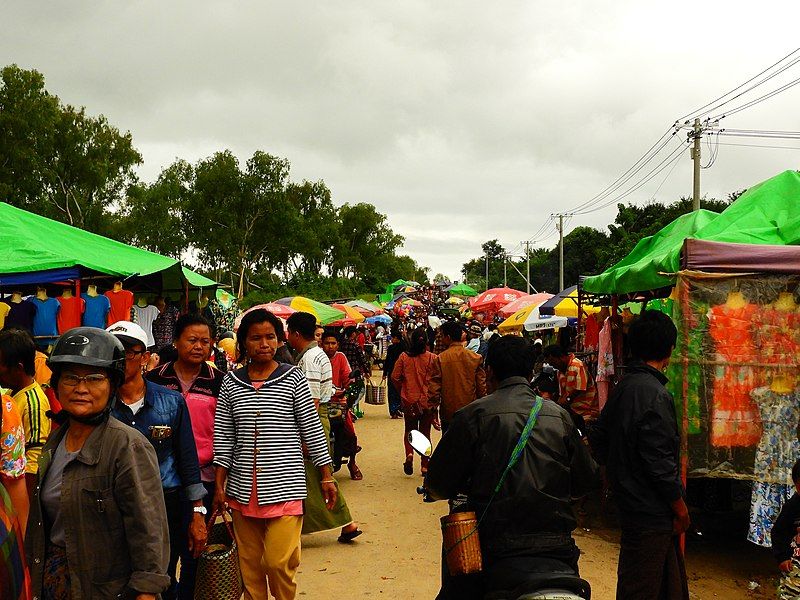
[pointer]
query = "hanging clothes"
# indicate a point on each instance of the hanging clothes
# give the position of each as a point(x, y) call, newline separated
point(777, 451)
point(69, 316)
point(121, 304)
point(45, 320)
point(734, 418)
point(775, 340)
point(144, 316)
point(605, 363)
point(695, 351)
point(591, 338)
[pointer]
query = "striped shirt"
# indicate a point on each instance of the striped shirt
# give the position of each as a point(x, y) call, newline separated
point(33, 405)
point(316, 366)
point(263, 431)
point(577, 379)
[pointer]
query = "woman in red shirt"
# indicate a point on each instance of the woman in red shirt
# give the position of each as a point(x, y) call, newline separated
point(411, 376)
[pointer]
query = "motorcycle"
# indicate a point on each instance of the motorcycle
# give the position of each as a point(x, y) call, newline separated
point(518, 577)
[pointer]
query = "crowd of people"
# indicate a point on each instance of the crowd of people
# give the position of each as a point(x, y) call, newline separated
point(110, 478)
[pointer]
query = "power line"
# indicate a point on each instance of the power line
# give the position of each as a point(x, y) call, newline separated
point(694, 112)
point(759, 146)
point(758, 100)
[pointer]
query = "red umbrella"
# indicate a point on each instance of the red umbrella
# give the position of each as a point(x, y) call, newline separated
point(492, 300)
point(524, 302)
point(279, 310)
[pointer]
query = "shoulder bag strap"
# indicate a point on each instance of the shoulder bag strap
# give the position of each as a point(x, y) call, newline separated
point(522, 442)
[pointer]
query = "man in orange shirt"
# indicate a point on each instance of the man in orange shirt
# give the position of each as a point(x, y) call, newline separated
point(578, 390)
point(458, 377)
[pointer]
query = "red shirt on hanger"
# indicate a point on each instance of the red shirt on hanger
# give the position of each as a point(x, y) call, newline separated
point(121, 304)
point(70, 314)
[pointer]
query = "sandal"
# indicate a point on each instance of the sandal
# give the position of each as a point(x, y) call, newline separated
point(408, 466)
point(355, 473)
point(349, 536)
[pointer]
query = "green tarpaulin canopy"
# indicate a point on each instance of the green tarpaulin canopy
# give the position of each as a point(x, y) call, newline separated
point(33, 243)
point(640, 270)
point(196, 280)
point(767, 213)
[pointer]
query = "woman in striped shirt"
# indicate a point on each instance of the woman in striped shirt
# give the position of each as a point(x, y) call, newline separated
point(265, 415)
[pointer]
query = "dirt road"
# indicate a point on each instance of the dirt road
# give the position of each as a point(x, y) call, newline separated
point(398, 555)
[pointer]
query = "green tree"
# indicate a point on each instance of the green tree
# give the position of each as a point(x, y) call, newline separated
point(236, 217)
point(57, 160)
point(152, 216)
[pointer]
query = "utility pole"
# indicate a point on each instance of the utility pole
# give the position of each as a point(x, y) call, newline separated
point(697, 133)
point(527, 244)
point(505, 270)
point(560, 252)
point(487, 270)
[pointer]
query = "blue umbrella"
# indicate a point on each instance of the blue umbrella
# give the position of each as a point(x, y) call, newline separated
point(379, 319)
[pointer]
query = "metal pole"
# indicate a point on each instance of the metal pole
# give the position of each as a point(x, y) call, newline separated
point(528, 268)
point(505, 269)
point(696, 160)
point(487, 270)
point(560, 252)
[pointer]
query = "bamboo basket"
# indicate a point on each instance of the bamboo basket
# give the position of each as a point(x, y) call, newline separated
point(462, 545)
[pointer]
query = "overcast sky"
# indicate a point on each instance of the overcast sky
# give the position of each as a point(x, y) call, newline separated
point(462, 121)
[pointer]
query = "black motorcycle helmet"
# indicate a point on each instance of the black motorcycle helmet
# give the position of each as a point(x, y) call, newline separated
point(547, 381)
point(90, 347)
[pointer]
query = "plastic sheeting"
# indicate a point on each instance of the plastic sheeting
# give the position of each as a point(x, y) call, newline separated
point(734, 374)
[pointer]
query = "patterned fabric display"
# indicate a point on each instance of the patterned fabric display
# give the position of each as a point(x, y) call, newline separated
point(777, 452)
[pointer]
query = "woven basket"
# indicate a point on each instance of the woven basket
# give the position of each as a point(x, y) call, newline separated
point(375, 394)
point(219, 576)
point(461, 543)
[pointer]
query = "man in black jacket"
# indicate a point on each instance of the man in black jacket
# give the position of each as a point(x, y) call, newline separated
point(637, 438)
point(530, 515)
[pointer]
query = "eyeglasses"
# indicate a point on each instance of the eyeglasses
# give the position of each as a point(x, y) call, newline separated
point(131, 354)
point(91, 380)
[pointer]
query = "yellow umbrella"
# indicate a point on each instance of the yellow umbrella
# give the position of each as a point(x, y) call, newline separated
point(351, 312)
point(517, 320)
point(565, 304)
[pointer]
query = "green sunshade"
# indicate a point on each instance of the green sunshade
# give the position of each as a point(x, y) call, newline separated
point(639, 270)
point(462, 289)
point(195, 279)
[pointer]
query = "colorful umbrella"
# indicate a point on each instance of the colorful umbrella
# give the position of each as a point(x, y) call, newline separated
point(454, 301)
point(279, 310)
point(524, 302)
point(379, 319)
point(325, 314)
point(353, 317)
point(411, 302)
point(462, 289)
point(516, 322)
point(565, 304)
point(365, 307)
point(493, 299)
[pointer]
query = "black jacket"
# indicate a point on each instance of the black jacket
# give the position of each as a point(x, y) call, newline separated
point(785, 528)
point(532, 510)
point(637, 438)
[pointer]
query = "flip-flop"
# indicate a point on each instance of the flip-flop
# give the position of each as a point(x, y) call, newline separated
point(349, 536)
point(408, 467)
point(356, 476)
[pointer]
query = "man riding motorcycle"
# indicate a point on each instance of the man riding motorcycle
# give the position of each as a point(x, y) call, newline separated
point(530, 514)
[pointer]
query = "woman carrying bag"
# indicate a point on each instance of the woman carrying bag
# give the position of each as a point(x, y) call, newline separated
point(265, 415)
point(411, 375)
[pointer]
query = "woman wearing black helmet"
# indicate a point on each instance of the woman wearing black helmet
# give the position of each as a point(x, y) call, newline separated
point(97, 527)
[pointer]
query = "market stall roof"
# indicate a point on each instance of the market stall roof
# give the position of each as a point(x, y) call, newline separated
point(31, 243)
point(767, 213)
point(715, 257)
point(641, 269)
point(325, 314)
point(518, 319)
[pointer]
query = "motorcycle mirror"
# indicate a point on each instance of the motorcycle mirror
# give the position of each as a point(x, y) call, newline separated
point(421, 444)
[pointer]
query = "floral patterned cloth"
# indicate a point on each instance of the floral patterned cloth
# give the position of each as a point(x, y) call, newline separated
point(12, 441)
point(777, 452)
point(14, 582)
